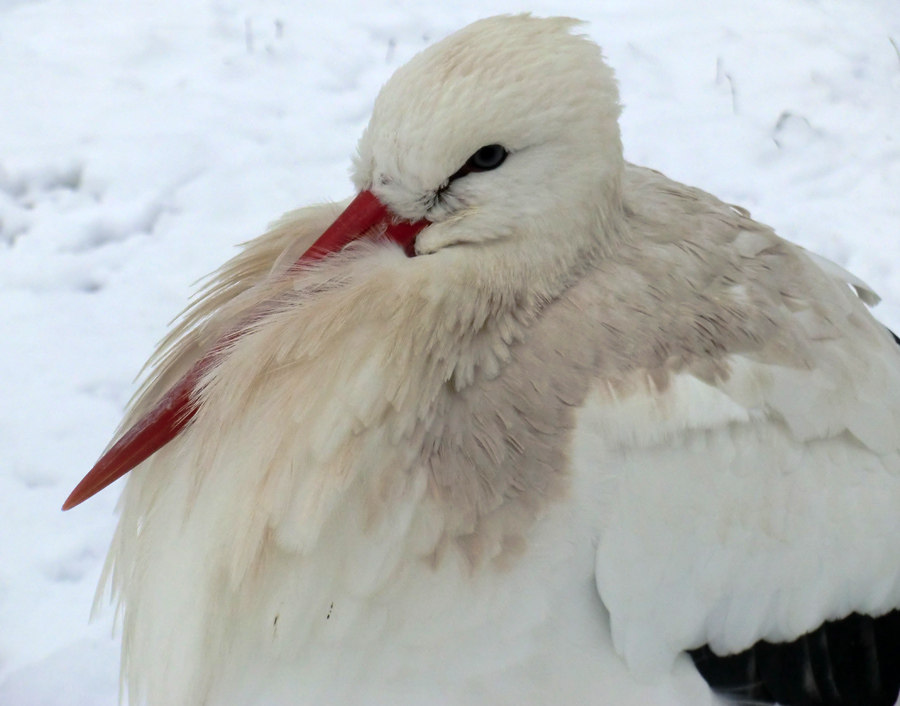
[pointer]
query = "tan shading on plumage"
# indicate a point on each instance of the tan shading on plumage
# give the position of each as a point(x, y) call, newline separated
point(403, 475)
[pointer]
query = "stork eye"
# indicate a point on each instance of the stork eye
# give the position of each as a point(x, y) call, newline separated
point(487, 158)
point(484, 160)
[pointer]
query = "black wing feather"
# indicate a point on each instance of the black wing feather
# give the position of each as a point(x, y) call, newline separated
point(849, 662)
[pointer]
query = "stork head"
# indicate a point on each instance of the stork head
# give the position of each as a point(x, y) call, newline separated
point(504, 137)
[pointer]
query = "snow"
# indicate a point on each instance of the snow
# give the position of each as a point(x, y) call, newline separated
point(140, 141)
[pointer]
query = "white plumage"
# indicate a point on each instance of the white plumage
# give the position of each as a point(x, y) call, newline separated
point(601, 419)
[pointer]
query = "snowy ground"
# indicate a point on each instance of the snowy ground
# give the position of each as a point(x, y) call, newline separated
point(140, 141)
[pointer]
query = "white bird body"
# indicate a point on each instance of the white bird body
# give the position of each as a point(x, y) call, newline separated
point(601, 419)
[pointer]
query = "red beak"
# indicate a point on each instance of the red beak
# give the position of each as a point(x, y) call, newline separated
point(178, 406)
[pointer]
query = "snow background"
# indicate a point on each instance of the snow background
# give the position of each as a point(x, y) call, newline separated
point(140, 141)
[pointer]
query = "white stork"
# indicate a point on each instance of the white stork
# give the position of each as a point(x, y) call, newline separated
point(521, 423)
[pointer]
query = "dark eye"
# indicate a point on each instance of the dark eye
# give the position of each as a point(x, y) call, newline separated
point(487, 158)
point(484, 160)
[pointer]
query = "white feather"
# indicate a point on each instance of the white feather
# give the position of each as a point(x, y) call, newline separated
point(752, 510)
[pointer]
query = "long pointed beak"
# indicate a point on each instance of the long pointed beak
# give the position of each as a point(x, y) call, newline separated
point(168, 418)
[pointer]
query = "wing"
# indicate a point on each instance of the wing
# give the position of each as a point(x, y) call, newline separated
point(756, 503)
